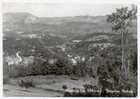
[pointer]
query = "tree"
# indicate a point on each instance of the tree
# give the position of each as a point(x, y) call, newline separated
point(121, 22)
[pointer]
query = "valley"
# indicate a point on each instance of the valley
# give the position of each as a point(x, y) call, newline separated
point(57, 52)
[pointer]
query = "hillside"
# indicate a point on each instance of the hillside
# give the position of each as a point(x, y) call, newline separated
point(77, 35)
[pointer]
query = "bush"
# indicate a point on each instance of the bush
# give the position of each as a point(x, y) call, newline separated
point(26, 83)
point(64, 87)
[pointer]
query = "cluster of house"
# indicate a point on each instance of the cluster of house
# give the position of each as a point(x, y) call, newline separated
point(75, 59)
point(16, 60)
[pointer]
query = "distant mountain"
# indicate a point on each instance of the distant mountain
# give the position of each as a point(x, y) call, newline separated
point(18, 18)
point(68, 26)
point(59, 25)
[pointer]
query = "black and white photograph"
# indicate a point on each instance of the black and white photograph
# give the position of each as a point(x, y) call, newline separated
point(69, 49)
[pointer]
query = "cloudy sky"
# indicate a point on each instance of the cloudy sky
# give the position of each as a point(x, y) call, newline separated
point(61, 9)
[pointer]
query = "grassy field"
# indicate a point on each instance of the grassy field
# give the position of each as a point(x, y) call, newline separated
point(45, 86)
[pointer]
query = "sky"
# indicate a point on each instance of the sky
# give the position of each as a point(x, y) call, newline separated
point(61, 9)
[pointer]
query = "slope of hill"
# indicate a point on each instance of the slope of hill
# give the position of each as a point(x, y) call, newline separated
point(77, 35)
point(63, 25)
